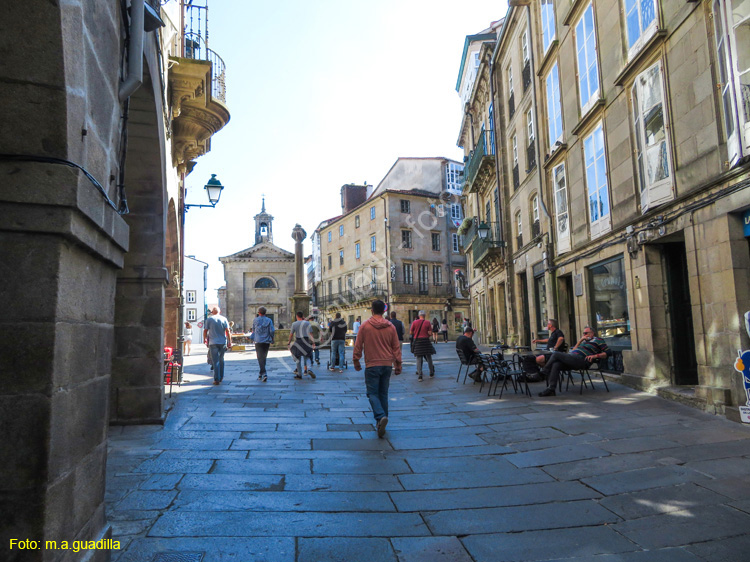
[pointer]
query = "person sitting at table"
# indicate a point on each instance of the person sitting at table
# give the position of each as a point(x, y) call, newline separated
point(533, 362)
point(466, 345)
point(589, 349)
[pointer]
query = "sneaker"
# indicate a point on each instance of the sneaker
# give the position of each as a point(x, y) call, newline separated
point(265, 378)
point(312, 375)
point(382, 422)
point(419, 378)
point(432, 374)
point(317, 362)
point(548, 392)
point(297, 376)
point(332, 369)
point(216, 382)
point(339, 370)
point(260, 377)
point(296, 372)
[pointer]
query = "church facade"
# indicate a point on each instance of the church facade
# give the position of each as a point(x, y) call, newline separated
point(262, 275)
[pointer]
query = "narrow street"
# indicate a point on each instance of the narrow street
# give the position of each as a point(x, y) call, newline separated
point(291, 470)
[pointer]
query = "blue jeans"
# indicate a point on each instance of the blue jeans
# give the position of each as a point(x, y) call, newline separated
point(217, 358)
point(377, 380)
point(338, 347)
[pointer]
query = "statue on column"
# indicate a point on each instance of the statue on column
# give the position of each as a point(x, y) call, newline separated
point(300, 301)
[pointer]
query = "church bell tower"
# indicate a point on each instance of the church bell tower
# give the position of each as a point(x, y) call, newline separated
point(263, 229)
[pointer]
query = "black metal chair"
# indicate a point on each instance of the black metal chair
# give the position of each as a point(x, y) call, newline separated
point(464, 363)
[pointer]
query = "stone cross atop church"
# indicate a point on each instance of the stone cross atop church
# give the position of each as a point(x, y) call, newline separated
point(263, 225)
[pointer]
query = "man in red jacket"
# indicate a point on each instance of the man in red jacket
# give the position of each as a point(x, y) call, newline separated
point(377, 338)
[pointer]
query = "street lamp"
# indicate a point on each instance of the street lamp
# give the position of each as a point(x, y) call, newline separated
point(483, 230)
point(213, 189)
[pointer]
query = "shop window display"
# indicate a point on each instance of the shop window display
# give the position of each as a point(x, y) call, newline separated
point(609, 302)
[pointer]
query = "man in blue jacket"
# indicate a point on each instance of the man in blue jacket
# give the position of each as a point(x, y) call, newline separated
point(263, 333)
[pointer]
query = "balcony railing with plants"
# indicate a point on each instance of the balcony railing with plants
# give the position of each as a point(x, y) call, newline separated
point(489, 243)
point(485, 148)
point(195, 45)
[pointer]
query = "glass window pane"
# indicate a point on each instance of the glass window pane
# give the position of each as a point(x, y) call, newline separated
point(648, 13)
point(594, 208)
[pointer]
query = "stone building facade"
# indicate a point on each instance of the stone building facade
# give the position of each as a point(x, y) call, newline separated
point(642, 180)
point(262, 275)
point(91, 234)
point(397, 243)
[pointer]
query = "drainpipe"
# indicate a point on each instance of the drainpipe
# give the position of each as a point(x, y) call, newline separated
point(491, 64)
point(135, 50)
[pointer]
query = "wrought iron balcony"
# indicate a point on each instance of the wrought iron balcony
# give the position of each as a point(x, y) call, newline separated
point(488, 252)
point(423, 289)
point(196, 49)
point(481, 159)
point(530, 157)
point(526, 76)
point(353, 296)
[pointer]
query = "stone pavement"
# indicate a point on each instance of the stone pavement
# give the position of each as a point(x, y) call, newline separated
point(291, 470)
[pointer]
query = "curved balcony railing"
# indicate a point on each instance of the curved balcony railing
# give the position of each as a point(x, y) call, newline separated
point(195, 48)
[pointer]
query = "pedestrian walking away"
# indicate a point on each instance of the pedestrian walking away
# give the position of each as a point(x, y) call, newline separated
point(302, 346)
point(378, 341)
point(263, 336)
point(435, 330)
point(356, 325)
point(187, 335)
point(422, 347)
point(398, 325)
point(444, 330)
point(218, 338)
point(338, 342)
point(315, 334)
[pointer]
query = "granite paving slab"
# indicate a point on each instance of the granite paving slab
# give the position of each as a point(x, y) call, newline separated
point(262, 466)
point(327, 501)
point(360, 466)
point(239, 482)
point(475, 479)
point(255, 549)
point(655, 501)
point(341, 549)
point(430, 549)
point(556, 455)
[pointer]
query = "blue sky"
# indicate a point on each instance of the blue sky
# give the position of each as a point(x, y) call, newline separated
point(322, 94)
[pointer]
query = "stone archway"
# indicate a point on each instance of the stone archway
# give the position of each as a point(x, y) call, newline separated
point(137, 388)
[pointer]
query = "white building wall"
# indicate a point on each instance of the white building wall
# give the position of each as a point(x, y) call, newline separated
point(195, 290)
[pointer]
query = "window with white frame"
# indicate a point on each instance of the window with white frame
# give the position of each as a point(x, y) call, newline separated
point(510, 81)
point(562, 223)
point(192, 314)
point(514, 142)
point(454, 173)
point(525, 47)
point(372, 244)
point(435, 241)
point(652, 149)
point(535, 209)
point(406, 239)
point(190, 296)
point(455, 243)
point(456, 213)
point(548, 23)
point(437, 274)
point(732, 29)
point(519, 227)
point(530, 125)
point(588, 65)
point(373, 274)
point(596, 182)
point(356, 251)
point(408, 274)
point(372, 213)
point(640, 23)
point(554, 107)
point(341, 257)
point(329, 235)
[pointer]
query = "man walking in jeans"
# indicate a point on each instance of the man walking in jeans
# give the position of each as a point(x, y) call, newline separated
point(263, 332)
point(218, 338)
point(338, 343)
point(377, 338)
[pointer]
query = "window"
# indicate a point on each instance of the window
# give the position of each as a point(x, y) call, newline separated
point(265, 283)
point(372, 213)
point(561, 209)
point(548, 23)
point(405, 206)
point(329, 235)
point(609, 302)
point(329, 260)
point(596, 182)
point(510, 81)
point(435, 241)
point(456, 213)
point(190, 297)
point(408, 274)
point(341, 285)
point(588, 66)
point(341, 257)
point(554, 109)
point(373, 275)
point(640, 23)
point(525, 47)
point(350, 282)
point(530, 125)
point(437, 274)
point(372, 244)
point(424, 280)
point(535, 208)
point(330, 287)
point(356, 221)
point(540, 300)
point(514, 142)
point(519, 224)
point(488, 212)
point(341, 230)
point(454, 174)
point(652, 152)
point(192, 314)
point(356, 250)
point(455, 243)
point(406, 239)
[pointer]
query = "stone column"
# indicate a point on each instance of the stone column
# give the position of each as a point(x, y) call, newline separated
point(300, 301)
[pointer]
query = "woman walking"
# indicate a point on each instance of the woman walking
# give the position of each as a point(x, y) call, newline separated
point(435, 329)
point(422, 348)
point(444, 329)
point(187, 338)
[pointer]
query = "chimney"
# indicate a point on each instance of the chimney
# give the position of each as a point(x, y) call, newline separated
point(352, 196)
